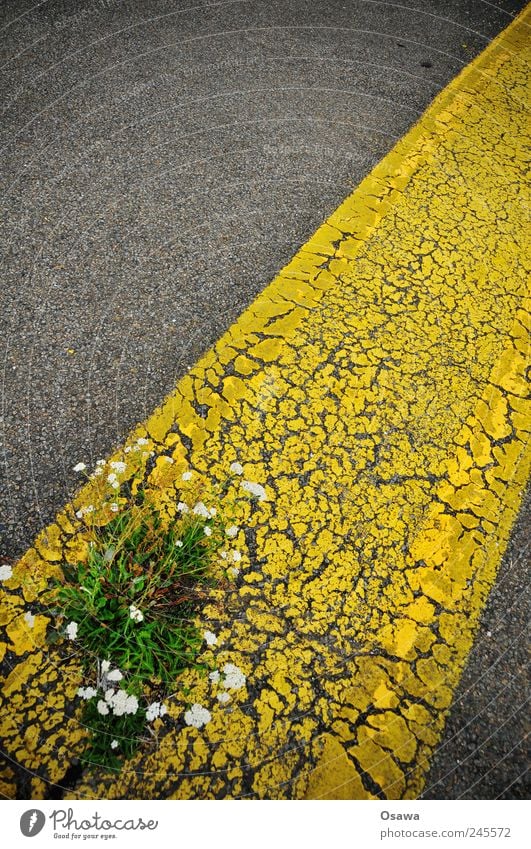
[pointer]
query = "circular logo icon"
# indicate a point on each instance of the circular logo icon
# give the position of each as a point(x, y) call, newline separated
point(32, 822)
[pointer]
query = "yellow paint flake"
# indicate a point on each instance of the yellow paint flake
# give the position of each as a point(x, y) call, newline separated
point(380, 399)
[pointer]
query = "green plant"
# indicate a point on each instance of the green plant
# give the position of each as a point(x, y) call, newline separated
point(135, 597)
point(132, 604)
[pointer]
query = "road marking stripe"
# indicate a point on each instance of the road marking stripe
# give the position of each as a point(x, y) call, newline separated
point(377, 390)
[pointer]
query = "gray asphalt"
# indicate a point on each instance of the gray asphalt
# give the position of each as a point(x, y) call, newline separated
point(160, 162)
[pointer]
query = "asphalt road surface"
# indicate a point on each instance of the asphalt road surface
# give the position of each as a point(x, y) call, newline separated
point(160, 162)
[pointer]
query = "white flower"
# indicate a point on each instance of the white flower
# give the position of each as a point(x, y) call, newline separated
point(223, 555)
point(71, 630)
point(201, 510)
point(179, 543)
point(142, 441)
point(236, 556)
point(197, 716)
point(115, 485)
point(102, 707)
point(115, 675)
point(168, 459)
point(213, 511)
point(236, 468)
point(120, 702)
point(114, 507)
point(118, 466)
point(182, 507)
point(89, 508)
point(234, 571)
point(29, 618)
point(87, 692)
point(234, 677)
point(215, 676)
point(255, 489)
point(210, 638)
point(127, 450)
point(135, 614)
point(186, 476)
point(155, 710)
point(79, 514)
point(124, 704)
point(98, 471)
point(5, 572)
point(112, 477)
point(207, 531)
point(114, 744)
point(232, 531)
point(101, 462)
point(105, 666)
point(80, 467)
point(224, 698)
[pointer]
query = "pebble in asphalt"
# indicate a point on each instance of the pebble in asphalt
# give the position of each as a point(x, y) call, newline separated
point(160, 162)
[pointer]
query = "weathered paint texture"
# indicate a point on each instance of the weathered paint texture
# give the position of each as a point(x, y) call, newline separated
point(377, 390)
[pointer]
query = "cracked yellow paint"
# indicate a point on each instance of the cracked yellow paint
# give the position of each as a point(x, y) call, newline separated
point(377, 390)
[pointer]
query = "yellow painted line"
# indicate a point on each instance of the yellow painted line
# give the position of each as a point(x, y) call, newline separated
point(377, 390)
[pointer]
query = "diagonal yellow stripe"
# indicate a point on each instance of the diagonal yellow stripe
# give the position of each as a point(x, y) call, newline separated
point(377, 390)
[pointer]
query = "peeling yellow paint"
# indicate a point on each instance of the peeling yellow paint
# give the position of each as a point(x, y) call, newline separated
point(377, 390)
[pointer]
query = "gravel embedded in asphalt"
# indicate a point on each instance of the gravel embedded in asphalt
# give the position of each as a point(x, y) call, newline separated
point(160, 162)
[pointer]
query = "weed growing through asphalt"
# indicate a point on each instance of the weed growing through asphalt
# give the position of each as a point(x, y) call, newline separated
point(132, 605)
point(135, 597)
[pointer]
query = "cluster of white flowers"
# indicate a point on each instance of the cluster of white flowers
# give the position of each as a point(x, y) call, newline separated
point(139, 444)
point(234, 678)
point(117, 701)
point(118, 466)
point(5, 572)
point(236, 468)
point(210, 638)
point(154, 710)
point(202, 510)
point(207, 530)
point(182, 507)
point(29, 619)
point(232, 531)
point(187, 476)
point(80, 467)
point(85, 511)
point(197, 716)
point(71, 630)
point(113, 480)
point(114, 675)
point(87, 692)
point(223, 698)
point(135, 614)
point(114, 507)
point(255, 489)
